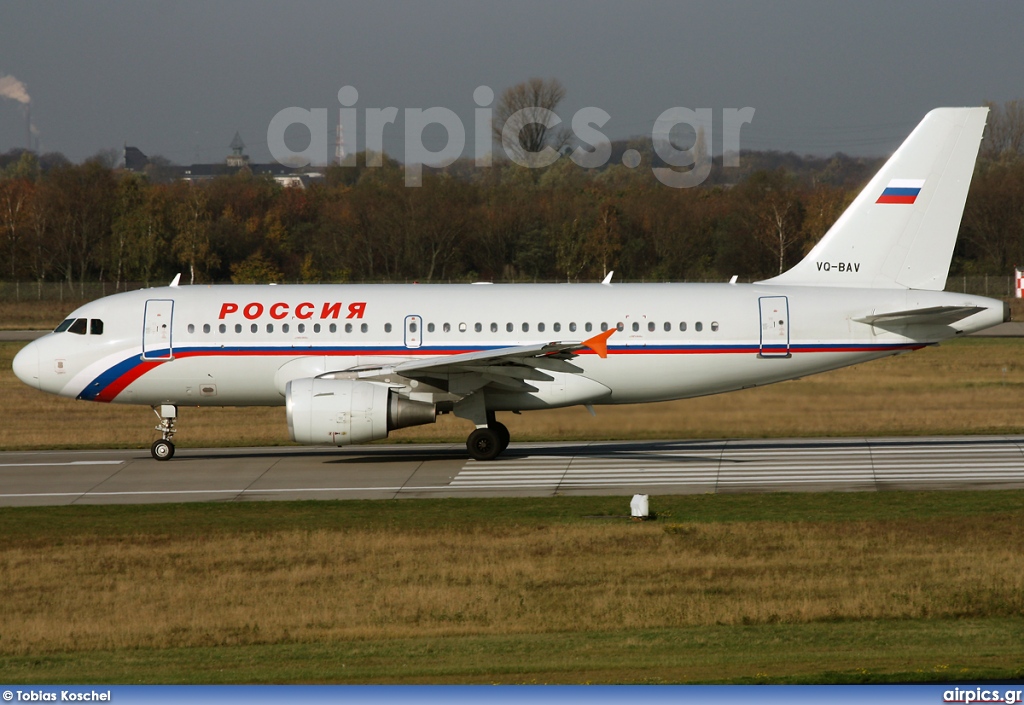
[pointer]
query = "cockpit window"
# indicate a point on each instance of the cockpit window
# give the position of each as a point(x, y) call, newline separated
point(95, 326)
point(64, 325)
point(78, 327)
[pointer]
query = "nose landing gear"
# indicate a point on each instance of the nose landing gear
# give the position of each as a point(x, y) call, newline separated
point(163, 449)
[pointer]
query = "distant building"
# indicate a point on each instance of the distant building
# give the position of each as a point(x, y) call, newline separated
point(136, 161)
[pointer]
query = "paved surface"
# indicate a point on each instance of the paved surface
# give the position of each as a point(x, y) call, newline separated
point(385, 472)
point(7, 336)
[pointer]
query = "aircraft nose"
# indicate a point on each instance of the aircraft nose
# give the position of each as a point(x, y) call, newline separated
point(26, 365)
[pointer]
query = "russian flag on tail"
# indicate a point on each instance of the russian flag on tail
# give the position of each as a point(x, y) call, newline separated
point(901, 191)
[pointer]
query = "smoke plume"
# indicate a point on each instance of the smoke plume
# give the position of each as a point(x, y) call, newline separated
point(12, 88)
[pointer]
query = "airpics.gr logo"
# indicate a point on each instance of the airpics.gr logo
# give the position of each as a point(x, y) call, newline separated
point(901, 191)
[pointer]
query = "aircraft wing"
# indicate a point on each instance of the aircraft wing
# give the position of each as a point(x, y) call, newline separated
point(933, 316)
point(506, 369)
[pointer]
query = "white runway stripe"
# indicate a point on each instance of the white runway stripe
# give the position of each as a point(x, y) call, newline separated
point(743, 464)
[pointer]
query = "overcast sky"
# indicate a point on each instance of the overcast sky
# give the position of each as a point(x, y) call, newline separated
point(179, 78)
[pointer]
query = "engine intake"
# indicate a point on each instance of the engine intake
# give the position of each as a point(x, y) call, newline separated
point(341, 411)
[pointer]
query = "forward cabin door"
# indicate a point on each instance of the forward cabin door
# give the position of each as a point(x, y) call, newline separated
point(156, 331)
point(413, 331)
point(774, 326)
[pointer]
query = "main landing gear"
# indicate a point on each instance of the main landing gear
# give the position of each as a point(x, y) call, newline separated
point(163, 449)
point(488, 442)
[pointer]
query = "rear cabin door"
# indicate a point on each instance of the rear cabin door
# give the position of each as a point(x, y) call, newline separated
point(774, 326)
point(156, 331)
point(413, 331)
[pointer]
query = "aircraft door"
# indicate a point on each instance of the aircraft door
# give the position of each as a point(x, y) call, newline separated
point(156, 331)
point(774, 326)
point(413, 331)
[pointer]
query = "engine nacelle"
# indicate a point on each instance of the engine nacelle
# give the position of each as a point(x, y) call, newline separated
point(343, 411)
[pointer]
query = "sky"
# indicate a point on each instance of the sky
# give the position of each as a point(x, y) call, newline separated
point(179, 78)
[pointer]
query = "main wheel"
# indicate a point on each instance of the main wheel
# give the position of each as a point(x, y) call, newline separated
point(484, 444)
point(162, 450)
point(504, 437)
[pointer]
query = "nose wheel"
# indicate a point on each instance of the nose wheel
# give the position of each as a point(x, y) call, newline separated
point(163, 449)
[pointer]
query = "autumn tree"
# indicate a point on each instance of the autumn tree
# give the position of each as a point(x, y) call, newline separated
point(522, 117)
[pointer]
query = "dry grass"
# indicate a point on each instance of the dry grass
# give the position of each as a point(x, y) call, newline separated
point(35, 315)
point(311, 586)
point(967, 386)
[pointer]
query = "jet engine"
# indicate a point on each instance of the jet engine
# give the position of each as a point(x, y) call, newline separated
point(342, 411)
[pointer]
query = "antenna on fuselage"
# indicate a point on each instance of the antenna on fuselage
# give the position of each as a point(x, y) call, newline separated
point(177, 278)
point(608, 278)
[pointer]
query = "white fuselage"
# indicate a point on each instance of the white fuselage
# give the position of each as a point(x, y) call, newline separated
point(240, 345)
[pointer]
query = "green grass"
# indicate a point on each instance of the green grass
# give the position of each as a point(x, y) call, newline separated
point(974, 646)
point(860, 652)
point(47, 525)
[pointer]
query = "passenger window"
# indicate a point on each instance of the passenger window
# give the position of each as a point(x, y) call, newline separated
point(285, 328)
point(78, 327)
point(540, 327)
point(714, 326)
point(589, 327)
point(254, 327)
point(636, 326)
point(509, 327)
point(682, 326)
point(316, 327)
point(478, 327)
point(447, 328)
point(462, 327)
point(348, 327)
point(620, 326)
point(64, 325)
point(206, 328)
point(604, 327)
point(430, 328)
point(650, 326)
point(557, 327)
point(494, 327)
point(363, 328)
point(668, 326)
point(333, 328)
point(526, 327)
point(191, 327)
point(238, 327)
point(96, 327)
point(572, 327)
point(222, 328)
point(387, 327)
point(302, 328)
point(698, 326)
point(270, 327)
point(413, 327)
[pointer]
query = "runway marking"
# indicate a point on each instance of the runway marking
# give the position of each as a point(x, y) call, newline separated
point(853, 463)
point(51, 465)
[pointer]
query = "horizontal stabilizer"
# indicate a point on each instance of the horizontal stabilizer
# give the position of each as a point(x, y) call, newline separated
point(933, 316)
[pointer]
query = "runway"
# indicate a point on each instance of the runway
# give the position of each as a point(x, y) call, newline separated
point(625, 468)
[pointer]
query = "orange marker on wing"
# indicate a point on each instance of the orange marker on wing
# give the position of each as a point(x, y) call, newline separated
point(599, 343)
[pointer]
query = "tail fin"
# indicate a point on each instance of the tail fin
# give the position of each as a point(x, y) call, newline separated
point(900, 231)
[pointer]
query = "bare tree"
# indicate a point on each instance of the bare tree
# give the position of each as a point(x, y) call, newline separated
point(525, 110)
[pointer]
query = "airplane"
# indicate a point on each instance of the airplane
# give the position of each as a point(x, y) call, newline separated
point(352, 363)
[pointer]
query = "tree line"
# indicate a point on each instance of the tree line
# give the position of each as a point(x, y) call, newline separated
point(91, 222)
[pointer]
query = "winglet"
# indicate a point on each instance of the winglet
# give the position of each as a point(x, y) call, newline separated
point(599, 343)
point(177, 278)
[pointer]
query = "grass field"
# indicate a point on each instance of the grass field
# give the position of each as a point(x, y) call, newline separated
point(966, 386)
point(761, 588)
